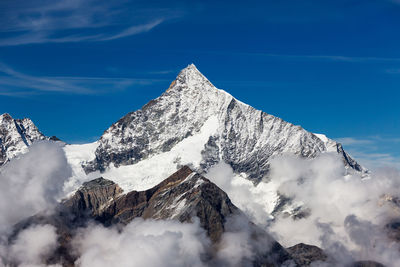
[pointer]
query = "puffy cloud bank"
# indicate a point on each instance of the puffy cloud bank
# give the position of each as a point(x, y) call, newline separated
point(168, 243)
point(32, 183)
point(346, 214)
point(142, 243)
point(32, 245)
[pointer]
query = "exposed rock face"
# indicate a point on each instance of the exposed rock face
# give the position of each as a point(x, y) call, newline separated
point(306, 254)
point(181, 196)
point(16, 136)
point(92, 197)
point(240, 135)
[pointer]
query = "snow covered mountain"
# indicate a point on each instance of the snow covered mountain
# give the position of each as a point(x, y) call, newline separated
point(16, 136)
point(194, 123)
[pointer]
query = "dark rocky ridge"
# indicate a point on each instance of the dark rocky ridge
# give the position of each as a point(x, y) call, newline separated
point(306, 254)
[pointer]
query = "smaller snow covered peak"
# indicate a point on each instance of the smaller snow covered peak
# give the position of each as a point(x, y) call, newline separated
point(16, 135)
point(5, 116)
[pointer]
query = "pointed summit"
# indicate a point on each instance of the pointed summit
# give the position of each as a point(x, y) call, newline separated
point(190, 70)
point(191, 77)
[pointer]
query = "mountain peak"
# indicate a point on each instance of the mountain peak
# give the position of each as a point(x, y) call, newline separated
point(191, 68)
point(191, 77)
point(5, 116)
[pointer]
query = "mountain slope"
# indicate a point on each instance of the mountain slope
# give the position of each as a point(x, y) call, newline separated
point(16, 136)
point(197, 124)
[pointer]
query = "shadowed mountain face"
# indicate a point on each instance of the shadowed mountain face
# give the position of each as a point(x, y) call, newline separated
point(183, 196)
point(229, 130)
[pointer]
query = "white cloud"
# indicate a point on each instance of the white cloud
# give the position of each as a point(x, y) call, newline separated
point(353, 141)
point(46, 21)
point(393, 71)
point(32, 245)
point(347, 215)
point(14, 83)
point(321, 57)
point(134, 30)
point(343, 207)
point(239, 191)
point(142, 243)
point(169, 243)
point(32, 183)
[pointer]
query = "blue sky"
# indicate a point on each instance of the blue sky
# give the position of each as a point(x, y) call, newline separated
point(333, 67)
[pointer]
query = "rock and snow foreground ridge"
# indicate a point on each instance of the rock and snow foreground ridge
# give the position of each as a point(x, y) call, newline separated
point(224, 235)
point(185, 197)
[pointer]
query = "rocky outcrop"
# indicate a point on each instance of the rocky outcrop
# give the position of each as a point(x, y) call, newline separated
point(92, 197)
point(306, 254)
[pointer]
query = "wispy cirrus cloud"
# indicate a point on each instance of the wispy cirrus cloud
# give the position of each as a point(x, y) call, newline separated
point(310, 57)
point(18, 84)
point(337, 58)
point(393, 71)
point(353, 141)
point(46, 21)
